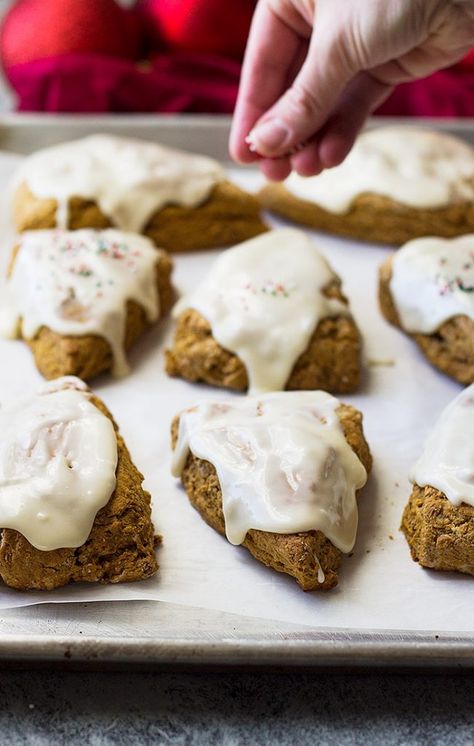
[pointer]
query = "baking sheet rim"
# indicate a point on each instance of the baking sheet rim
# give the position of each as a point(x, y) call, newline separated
point(335, 647)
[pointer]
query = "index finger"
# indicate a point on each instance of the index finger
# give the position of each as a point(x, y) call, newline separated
point(271, 48)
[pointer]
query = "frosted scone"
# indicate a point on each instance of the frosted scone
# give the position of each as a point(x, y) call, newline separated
point(80, 299)
point(270, 315)
point(72, 506)
point(438, 521)
point(181, 201)
point(427, 289)
point(397, 183)
point(278, 474)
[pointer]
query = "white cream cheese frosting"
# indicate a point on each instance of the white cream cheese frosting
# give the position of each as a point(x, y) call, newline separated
point(433, 281)
point(78, 283)
point(58, 458)
point(263, 300)
point(415, 167)
point(447, 462)
point(282, 461)
point(129, 179)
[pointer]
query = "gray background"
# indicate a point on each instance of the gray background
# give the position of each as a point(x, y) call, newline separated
point(337, 708)
point(340, 709)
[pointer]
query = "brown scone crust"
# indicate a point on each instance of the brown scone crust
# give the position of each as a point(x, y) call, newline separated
point(31, 213)
point(372, 217)
point(120, 547)
point(330, 362)
point(450, 349)
point(230, 215)
point(440, 535)
point(88, 356)
point(299, 555)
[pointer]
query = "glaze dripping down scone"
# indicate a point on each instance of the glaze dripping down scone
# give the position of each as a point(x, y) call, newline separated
point(438, 521)
point(81, 299)
point(181, 201)
point(427, 290)
point(397, 184)
point(278, 474)
point(72, 505)
point(269, 315)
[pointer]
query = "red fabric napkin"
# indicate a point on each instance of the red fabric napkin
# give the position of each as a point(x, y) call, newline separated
point(447, 93)
point(92, 83)
point(192, 82)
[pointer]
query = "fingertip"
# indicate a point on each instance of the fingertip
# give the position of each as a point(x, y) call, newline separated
point(307, 161)
point(275, 170)
point(242, 155)
point(334, 148)
point(239, 150)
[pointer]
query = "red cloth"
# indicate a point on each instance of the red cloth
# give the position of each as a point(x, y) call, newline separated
point(447, 93)
point(192, 82)
point(91, 83)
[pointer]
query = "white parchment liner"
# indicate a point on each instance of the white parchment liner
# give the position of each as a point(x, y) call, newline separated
point(380, 586)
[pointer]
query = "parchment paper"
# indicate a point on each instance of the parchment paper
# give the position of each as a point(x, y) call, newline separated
point(380, 586)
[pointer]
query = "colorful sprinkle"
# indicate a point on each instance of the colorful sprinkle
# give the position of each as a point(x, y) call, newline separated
point(275, 289)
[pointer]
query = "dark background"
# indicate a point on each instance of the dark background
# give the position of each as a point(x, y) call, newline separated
point(317, 708)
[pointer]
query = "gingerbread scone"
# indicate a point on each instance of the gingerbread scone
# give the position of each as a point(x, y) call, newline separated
point(182, 201)
point(278, 474)
point(72, 506)
point(398, 183)
point(427, 289)
point(269, 315)
point(80, 299)
point(438, 521)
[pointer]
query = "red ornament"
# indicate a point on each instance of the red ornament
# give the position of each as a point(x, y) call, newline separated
point(41, 29)
point(218, 27)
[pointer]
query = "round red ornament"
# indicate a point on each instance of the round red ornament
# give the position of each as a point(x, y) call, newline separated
point(41, 29)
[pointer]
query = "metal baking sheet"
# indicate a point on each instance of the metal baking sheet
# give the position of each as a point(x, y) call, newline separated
point(166, 633)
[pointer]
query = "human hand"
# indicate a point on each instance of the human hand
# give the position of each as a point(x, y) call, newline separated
point(315, 69)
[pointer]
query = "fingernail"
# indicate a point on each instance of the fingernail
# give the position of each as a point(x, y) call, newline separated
point(269, 135)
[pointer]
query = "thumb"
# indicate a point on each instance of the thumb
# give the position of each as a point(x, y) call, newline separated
point(307, 104)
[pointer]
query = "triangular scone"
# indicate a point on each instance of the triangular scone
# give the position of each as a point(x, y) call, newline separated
point(397, 183)
point(427, 290)
point(120, 547)
point(438, 521)
point(180, 200)
point(269, 315)
point(283, 461)
point(81, 299)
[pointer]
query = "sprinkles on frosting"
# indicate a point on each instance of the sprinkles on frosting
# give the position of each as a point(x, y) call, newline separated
point(450, 284)
point(76, 262)
point(78, 283)
point(433, 281)
point(263, 300)
point(269, 287)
